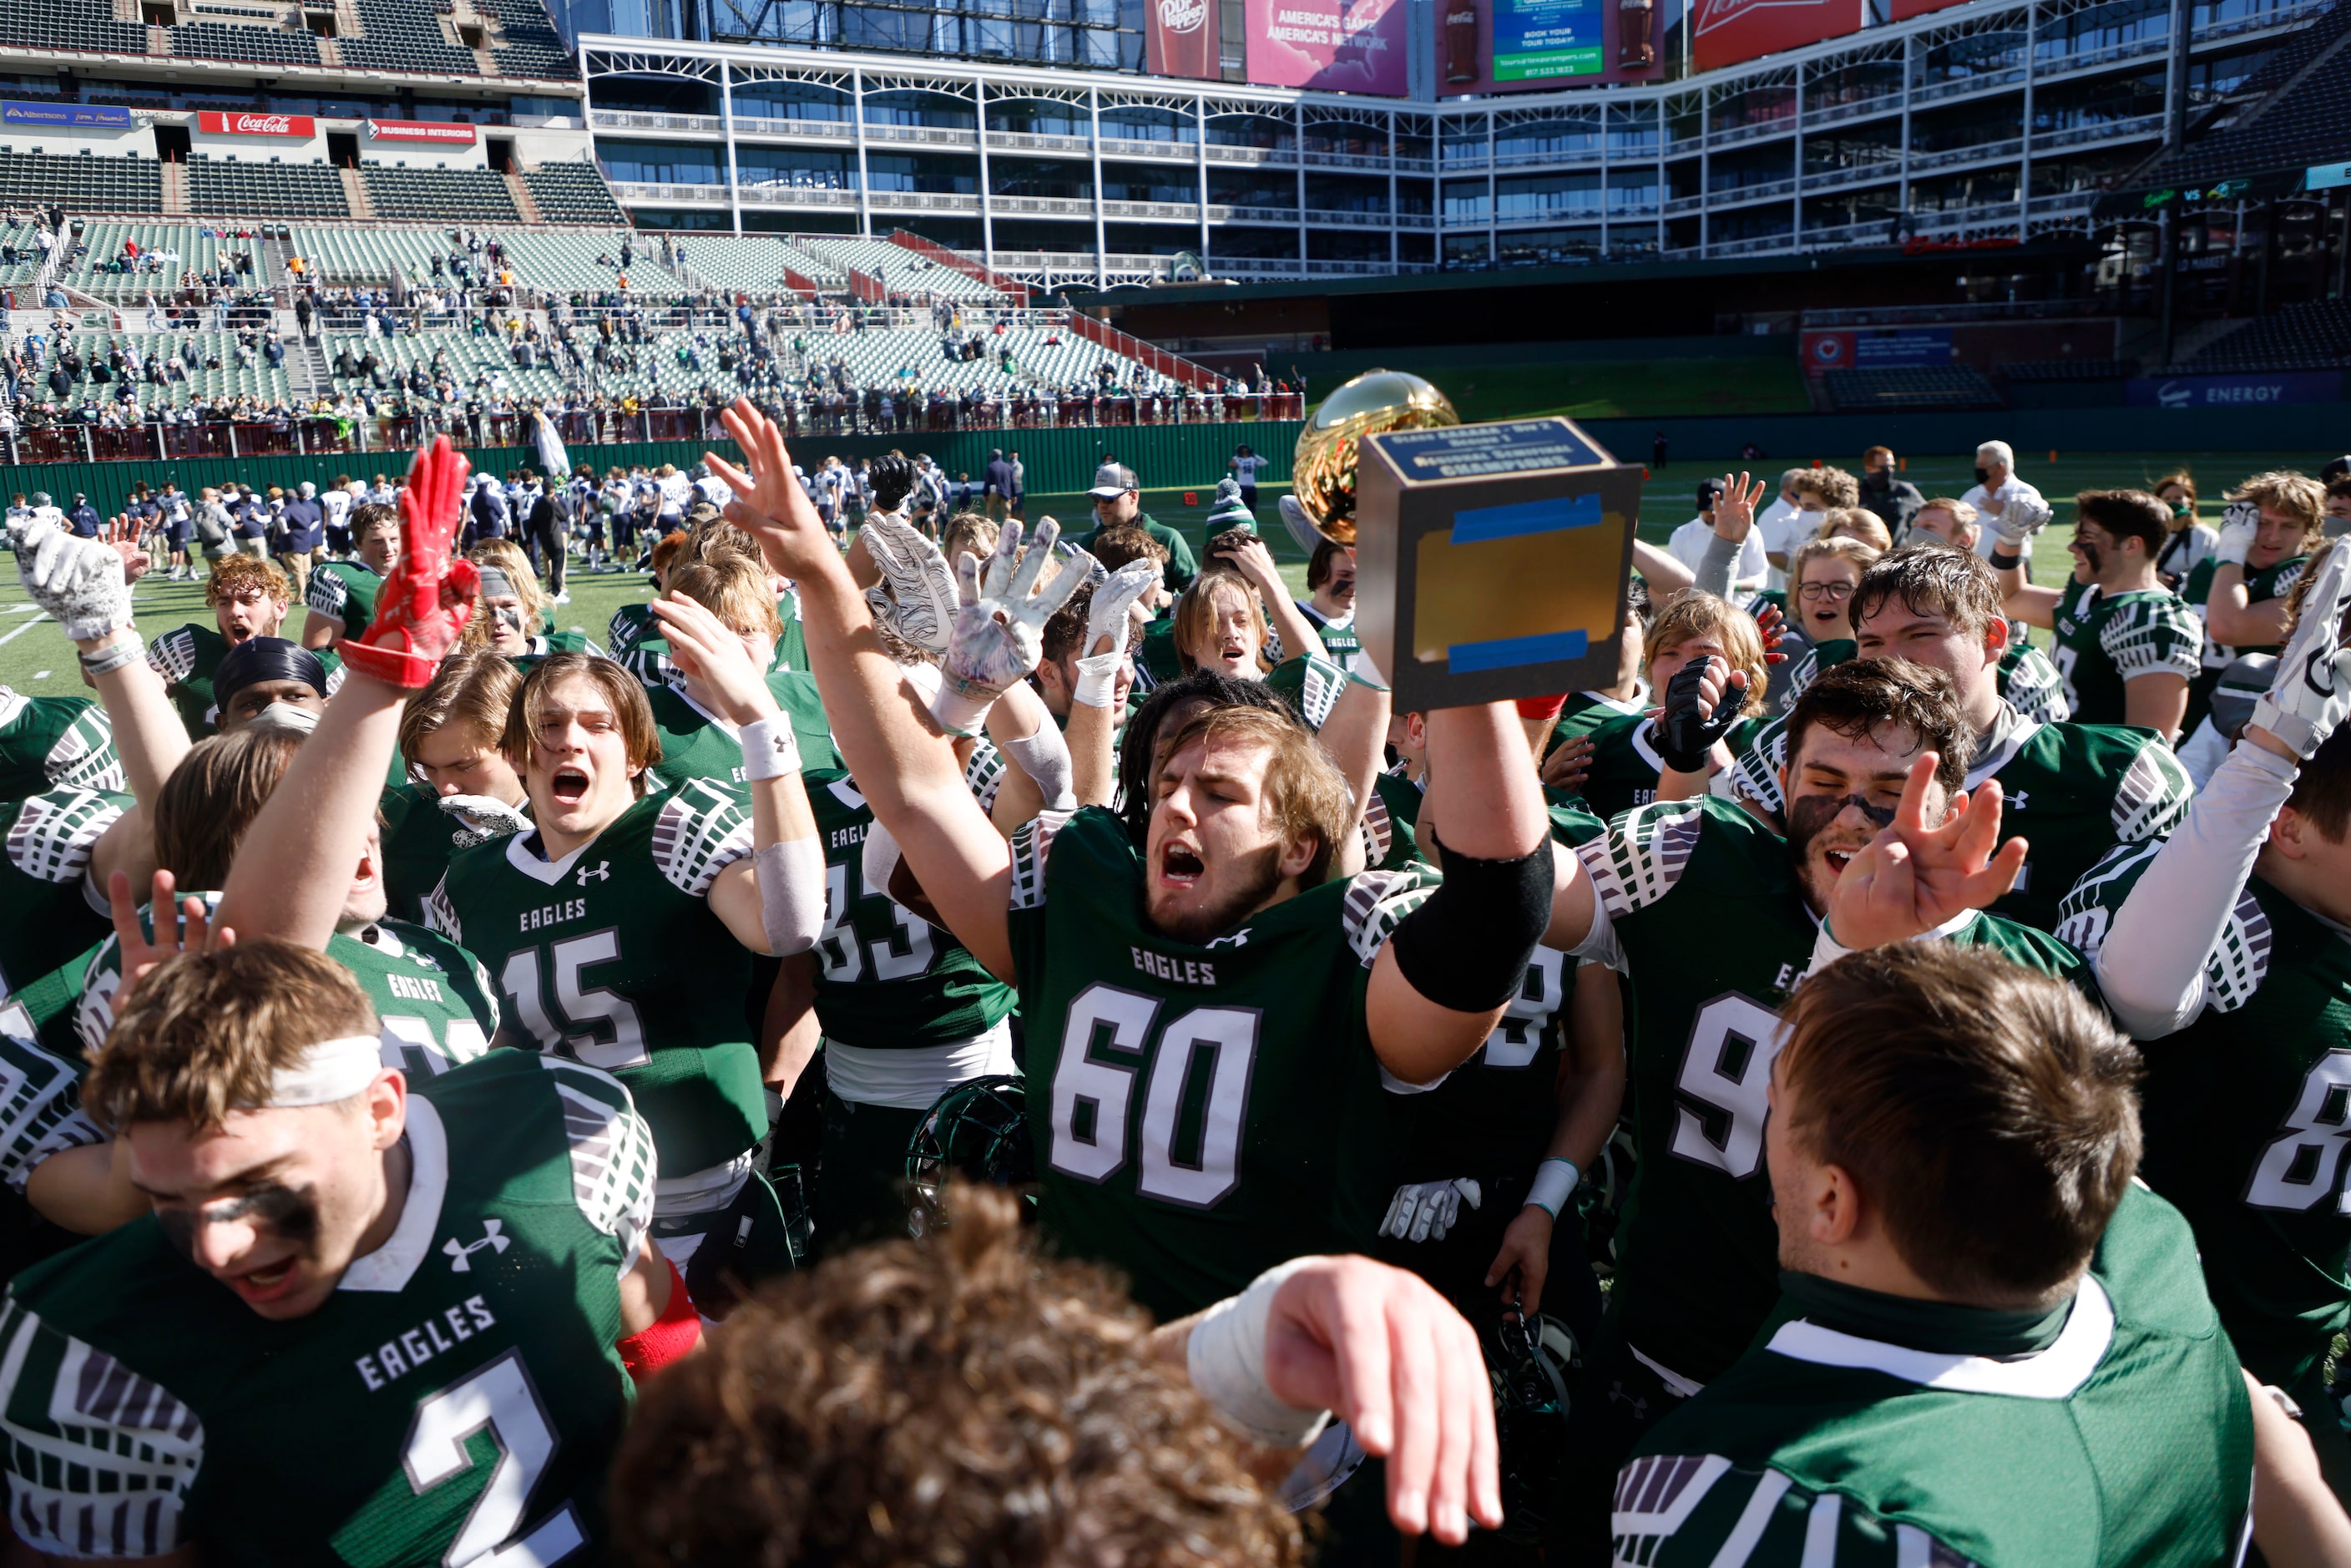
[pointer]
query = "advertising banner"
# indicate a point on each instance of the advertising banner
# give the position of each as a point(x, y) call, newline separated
point(1726, 32)
point(1874, 348)
point(1180, 40)
point(2234, 392)
point(1334, 46)
point(421, 131)
point(1527, 46)
point(216, 124)
point(64, 116)
point(1548, 40)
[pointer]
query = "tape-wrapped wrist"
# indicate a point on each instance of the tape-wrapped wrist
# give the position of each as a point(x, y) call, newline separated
point(1226, 1360)
point(1097, 682)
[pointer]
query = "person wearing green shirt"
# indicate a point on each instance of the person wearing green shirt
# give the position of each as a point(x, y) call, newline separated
point(1118, 499)
point(1949, 1378)
point(341, 595)
point(248, 598)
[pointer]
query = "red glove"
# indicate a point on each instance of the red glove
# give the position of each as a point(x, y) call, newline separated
point(1543, 708)
point(1773, 627)
point(429, 597)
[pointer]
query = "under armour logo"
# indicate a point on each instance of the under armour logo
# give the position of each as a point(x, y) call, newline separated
point(602, 871)
point(2016, 801)
point(461, 1252)
point(1236, 939)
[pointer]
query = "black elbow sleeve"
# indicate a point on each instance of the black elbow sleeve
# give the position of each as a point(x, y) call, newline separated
point(1466, 947)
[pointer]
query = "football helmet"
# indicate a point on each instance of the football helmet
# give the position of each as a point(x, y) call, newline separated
point(977, 1130)
point(1600, 1198)
point(1533, 1362)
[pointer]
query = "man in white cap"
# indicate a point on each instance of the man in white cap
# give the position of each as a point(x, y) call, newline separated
point(1118, 502)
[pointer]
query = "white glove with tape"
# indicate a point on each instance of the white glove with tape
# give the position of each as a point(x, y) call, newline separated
point(2241, 523)
point(2311, 691)
point(486, 813)
point(81, 581)
point(999, 626)
point(2017, 521)
point(1425, 1210)
point(916, 596)
point(1110, 615)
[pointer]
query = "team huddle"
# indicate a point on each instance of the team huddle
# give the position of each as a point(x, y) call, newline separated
point(1863, 1088)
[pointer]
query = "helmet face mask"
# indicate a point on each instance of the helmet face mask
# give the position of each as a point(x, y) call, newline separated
point(977, 1131)
point(1534, 1364)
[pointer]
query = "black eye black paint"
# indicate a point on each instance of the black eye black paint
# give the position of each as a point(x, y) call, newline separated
point(289, 1212)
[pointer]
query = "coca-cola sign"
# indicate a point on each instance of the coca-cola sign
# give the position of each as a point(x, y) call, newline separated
point(214, 123)
point(420, 130)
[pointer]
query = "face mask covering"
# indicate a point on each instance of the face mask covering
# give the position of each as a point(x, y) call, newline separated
point(1983, 476)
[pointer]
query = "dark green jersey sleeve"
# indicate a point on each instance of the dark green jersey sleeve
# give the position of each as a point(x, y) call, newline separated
point(48, 743)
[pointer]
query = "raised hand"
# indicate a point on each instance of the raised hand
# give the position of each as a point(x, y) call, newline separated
point(81, 581)
point(999, 625)
point(2310, 691)
point(707, 651)
point(1254, 561)
point(486, 813)
point(1110, 618)
point(1773, 627)
point(768, 502)
point(2019, 520)
point(1702, 702)
point(1569, 765)
point(916, 596)
point(429, 595)
point(2241, 524)
point(1734, 509)
point(179, 927)
point(1912, 877)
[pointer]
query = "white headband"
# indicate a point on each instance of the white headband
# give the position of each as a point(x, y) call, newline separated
point(329, 1071)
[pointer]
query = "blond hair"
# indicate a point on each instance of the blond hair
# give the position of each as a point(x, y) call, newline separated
point(1304, 794)
point(508, 557)
point(1693, 613)
point(1196, 612)
point(232, 575)
point(1851, 522)
point(622, 692)
point(204, 808)
point(735, 589)
point(472, 692)
point(1858, 553)
point(2297, 495)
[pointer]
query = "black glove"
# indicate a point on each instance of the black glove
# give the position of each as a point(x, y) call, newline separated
point(893, 481)
point(1683, 738)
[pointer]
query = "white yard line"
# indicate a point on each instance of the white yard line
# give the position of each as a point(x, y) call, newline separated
point(20, 629)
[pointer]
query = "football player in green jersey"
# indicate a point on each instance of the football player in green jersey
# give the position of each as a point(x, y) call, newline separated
point(515, 613)
point(1693, 625)
point(696, 742)
point(621, 927)
point(2272, 523)
point(2072, 790)
point(1583, 712)
point(461, 790)
point(249, 598)
point(341, 594)
point(273, 677)
point(2126, 645)
point(1715, 918)
point(2222, 951)
point(364, 1322)
point(1330, 604)
point(47, 743)
point(1986, 1324)
point(1207, 1020)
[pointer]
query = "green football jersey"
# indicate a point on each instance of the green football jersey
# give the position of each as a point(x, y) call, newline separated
point(432, 999)
point(1696, 1264)
point(49, 908)
point(457, 1399)
point(1311, 685)
point(1625, 765)
point(186, 658)
point(630, 622)
point(697, 744)
point(344, 591)
point(2072, 791)
point(1827, 654)
point(887, 979)
point(1155, 660)
point(1494, 1114)
point(2245, 1118)
point(1390, 826)
point(1584, 712)
point(1339, 643)
point(2271, 582)
point(611, 955)
point(1200, 1112)
point(418, 840)
point(49, 743)
point(2032, 683)
point(1827, 1448)
point(2105, 641)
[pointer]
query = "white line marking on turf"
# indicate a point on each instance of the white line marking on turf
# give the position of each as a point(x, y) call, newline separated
point(20, 629)
point(40, 675)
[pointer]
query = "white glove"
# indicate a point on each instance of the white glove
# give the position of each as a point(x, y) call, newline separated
point(1112, 616)
point(999, 625)
point(2019, 520)
point(486, 813)
point(2311, 688)
point(2239, 523)
point(1425, 1210)
point(917, 595)
point(80, 582)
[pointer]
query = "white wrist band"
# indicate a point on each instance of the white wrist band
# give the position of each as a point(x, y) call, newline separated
point(770, 749)
point(791, 894)
point(1226, 1360)
point(960, 710)
point(1554, 1184)
point(1097, 684)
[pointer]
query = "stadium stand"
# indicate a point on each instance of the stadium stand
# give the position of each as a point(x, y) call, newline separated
point(755, 262)
point(573, 194)
point(90, 184)
point(230, 41)
point(443, 195)
point(2293, 110)
point(467, 361)
point(1928, 386)
point(526, 45)
point(570, 261)
point(901, 271)
point(2068, 369)
point(2314, 335)
point(219, 188)
point(173, 248)
point(405, 36)
point(258, 379)
point(77, 24)
point(367, 255)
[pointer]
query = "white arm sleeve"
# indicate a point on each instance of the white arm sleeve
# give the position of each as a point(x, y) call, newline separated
point(1045, 757)
point(791, 894)
point(1721, 564)
point(2150, 967)
point(881, 857)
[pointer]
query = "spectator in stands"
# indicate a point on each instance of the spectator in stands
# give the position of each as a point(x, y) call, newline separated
point(1998, 484)
point(1892, 499)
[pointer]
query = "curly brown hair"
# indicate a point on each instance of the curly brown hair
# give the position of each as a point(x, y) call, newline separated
point(960, 1400)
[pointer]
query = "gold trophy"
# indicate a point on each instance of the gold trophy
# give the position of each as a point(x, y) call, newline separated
point(1322, 505)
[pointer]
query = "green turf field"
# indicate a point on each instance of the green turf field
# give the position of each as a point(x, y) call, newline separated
point(36, 658)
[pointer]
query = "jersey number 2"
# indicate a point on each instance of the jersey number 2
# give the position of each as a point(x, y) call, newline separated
point(500, 1400)
point(1105, 1090)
